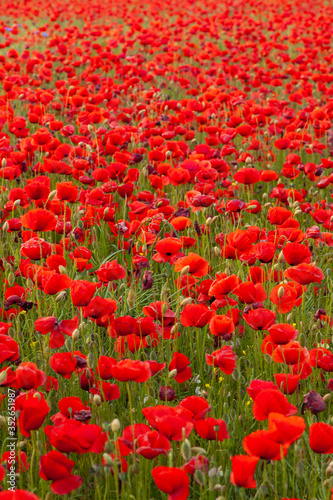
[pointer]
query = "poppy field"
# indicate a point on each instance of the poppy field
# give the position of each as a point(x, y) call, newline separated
point(166, 236)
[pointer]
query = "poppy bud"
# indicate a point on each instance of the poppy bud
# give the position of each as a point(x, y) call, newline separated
point(302, 340)
point(232, 414)
point(248, 160)
point(164, 309)
point(30, 283)
point(168, 154)
point(226, 419)
point(75, 335)
point(52, 194)
point(268, 359)
point(97, 400)
point(62, 269)
point(60, 296)
point(326, 397)
point(166, 393)
point(217, 251)
point(186, 450)
point(148, 341)
point(198, 451)
point(184, 271)
point(280, 292)
point(172, 374)
point(107, 459)
point(185, 302)
point(3, 376)
point(11, 279)
point(90, 360)
point(5, 226)
point(208, 220)
point(314, 402)
point(131, 298)
point(115, 425)
point(174, 329)
point(4, 162)
point(235, 374)
point(37, 396)
point(108, 447)
point(199, 477)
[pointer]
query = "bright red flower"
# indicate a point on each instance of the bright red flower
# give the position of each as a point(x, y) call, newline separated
point(173, 481)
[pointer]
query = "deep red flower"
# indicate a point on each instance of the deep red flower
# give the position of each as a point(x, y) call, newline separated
point(173, 481)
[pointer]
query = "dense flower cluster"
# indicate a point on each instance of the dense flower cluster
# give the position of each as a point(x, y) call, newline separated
point(165, 257)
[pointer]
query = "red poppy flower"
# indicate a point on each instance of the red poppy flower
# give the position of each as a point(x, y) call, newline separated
point(262, 444)
point(9, 349)
point(304, 274)
point(29, 377)
point(212, 429)
point(321, 438)
point(282, 333)
point(260, 318)
point(127, 369)
point(196, 315)
point(56, 467)
point(287, 383)
point(82, 292)
point(63, 363)
point(57, 329)
point(180, 362)
point(225, 359)
point(221, 326)
point(286, 430)
point(33, 411)
point(111, 271)
point(173, 481)
point(76, 437)
point(198, 266)
point(271, 400)
point(39, 220)
point(168, 250)
point(296, 254)
point(152, 444)
point(243, 468)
